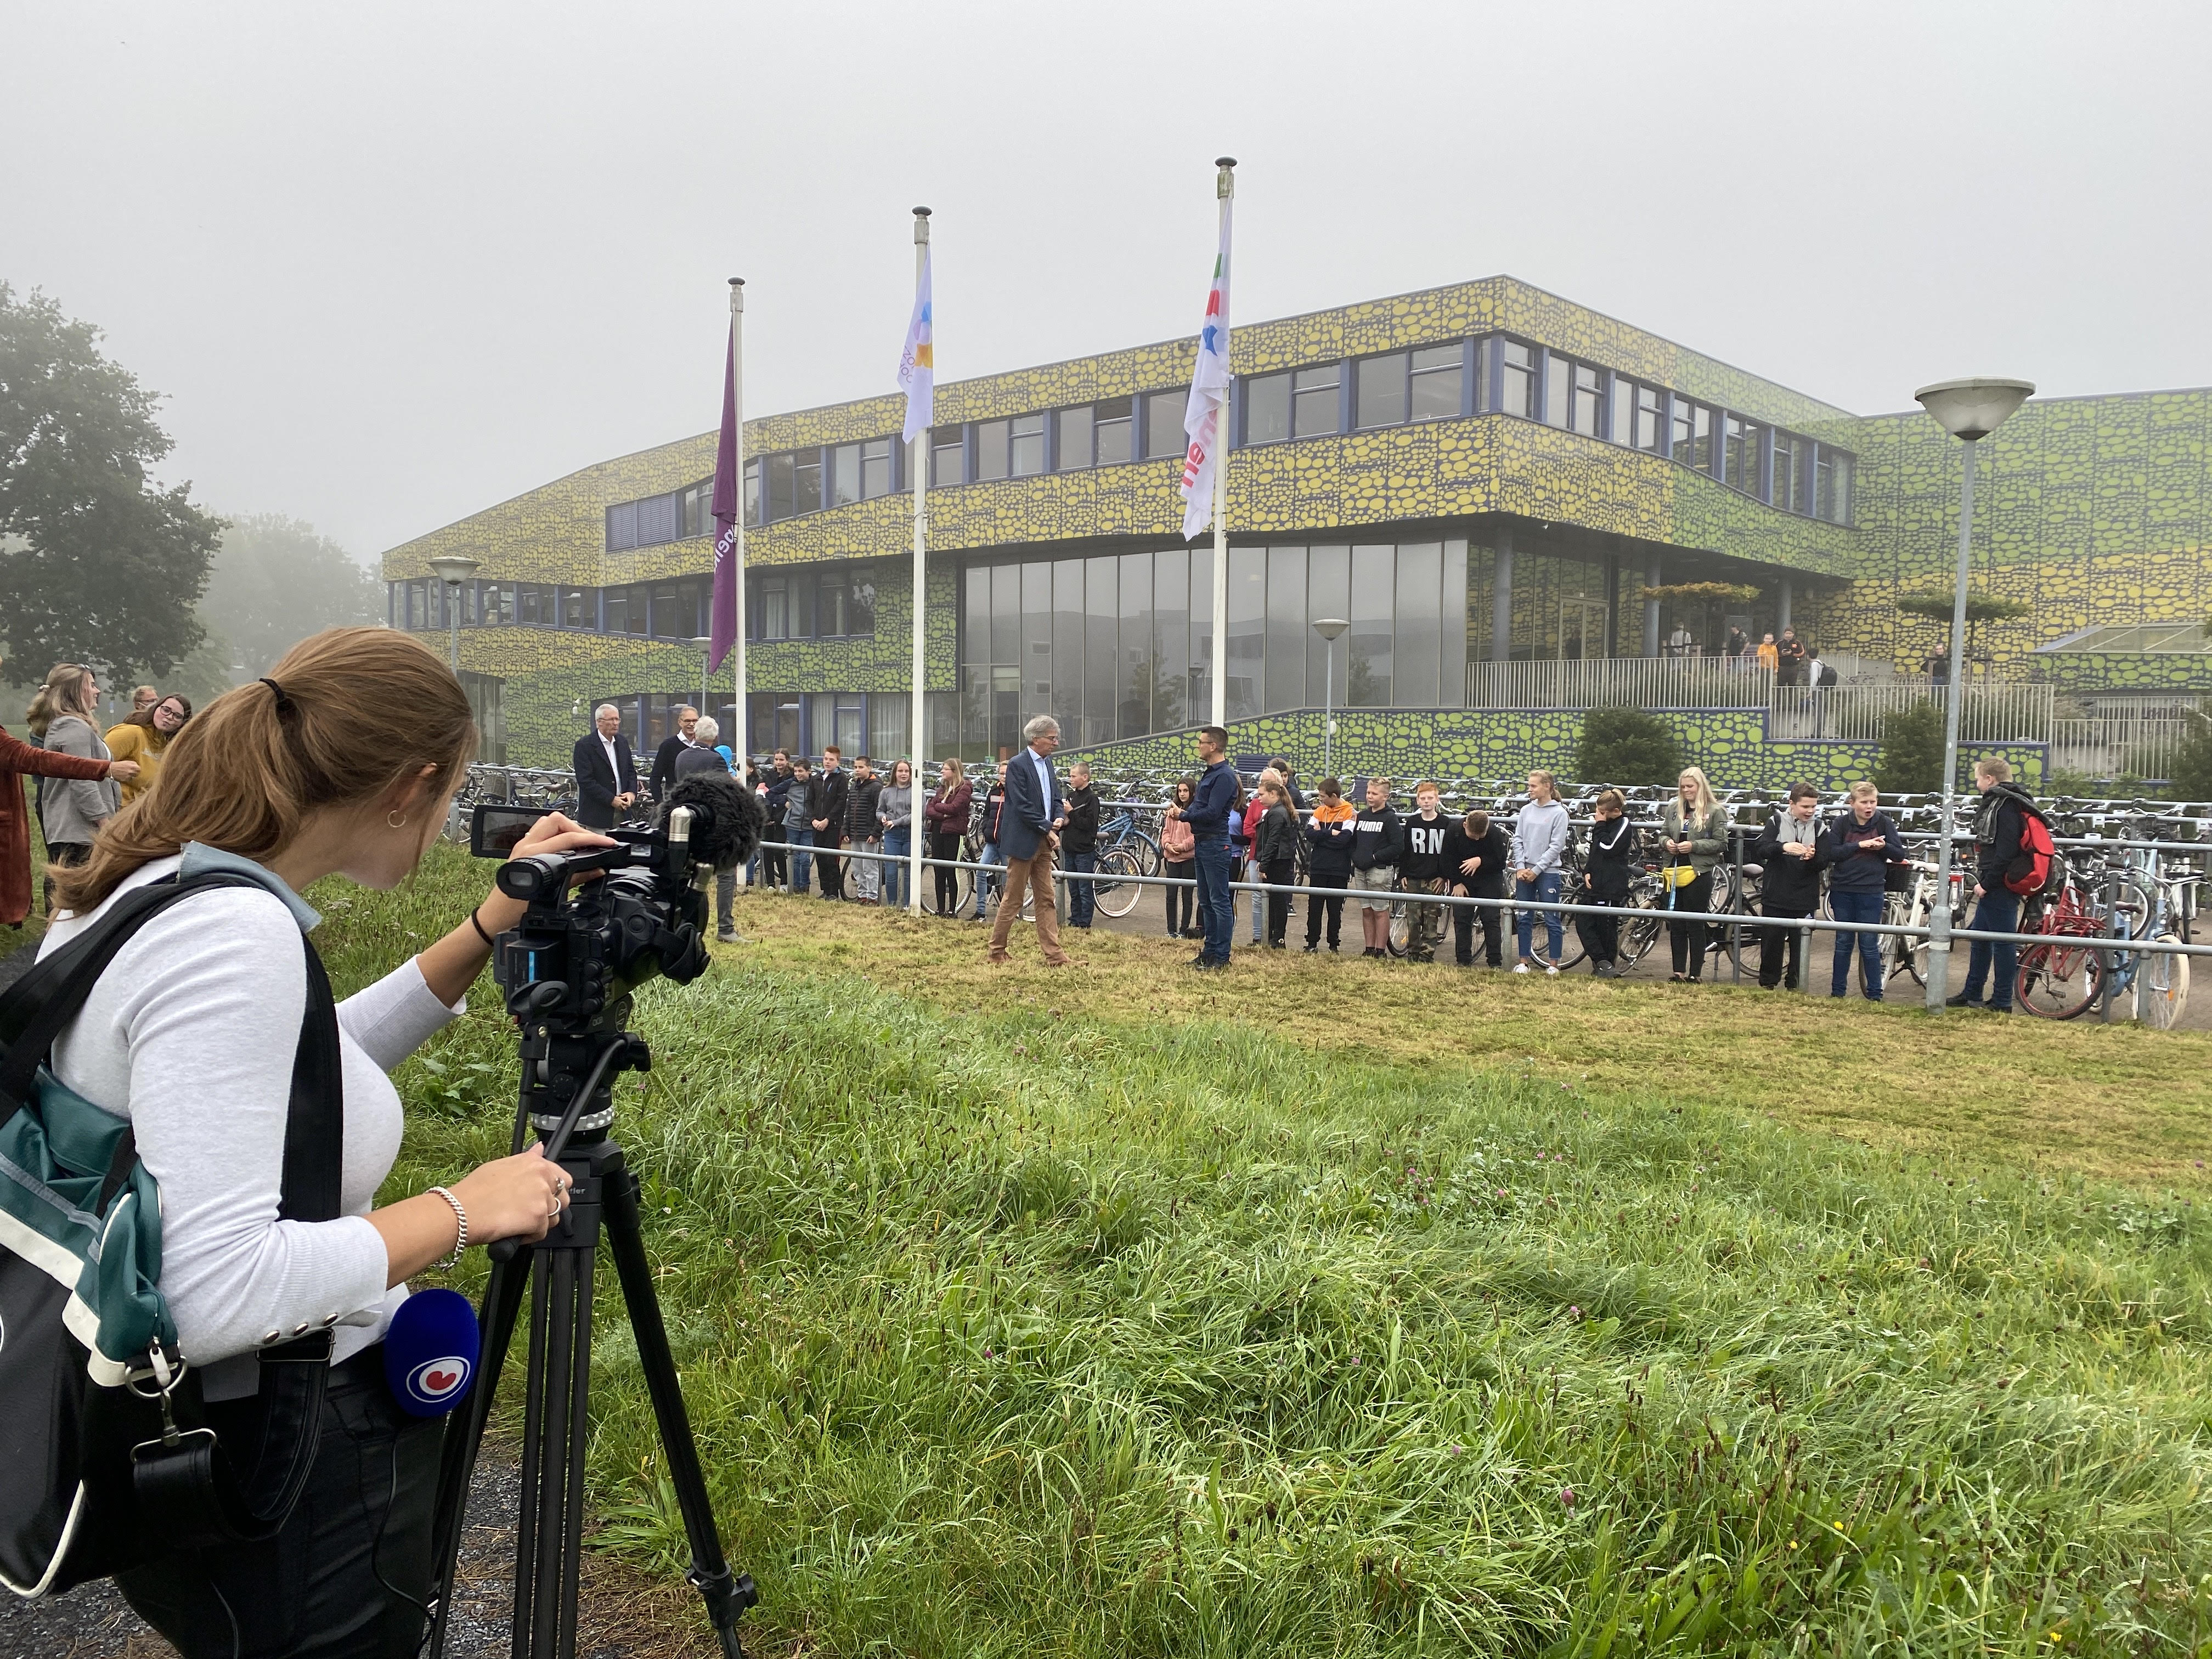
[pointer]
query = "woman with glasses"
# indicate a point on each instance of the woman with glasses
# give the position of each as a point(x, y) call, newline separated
point(143, 736)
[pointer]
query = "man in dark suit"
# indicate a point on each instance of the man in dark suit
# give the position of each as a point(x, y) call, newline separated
point(663, 777)
point(606, 773)
point(1028, 835)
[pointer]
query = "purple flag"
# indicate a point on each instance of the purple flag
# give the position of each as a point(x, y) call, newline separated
point(723, 630)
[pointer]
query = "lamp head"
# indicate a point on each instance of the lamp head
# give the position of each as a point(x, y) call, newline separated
point(1330, 627)
point(454, 568)
point(1973, 409)
point(701, 642)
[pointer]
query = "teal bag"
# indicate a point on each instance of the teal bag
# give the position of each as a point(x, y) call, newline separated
point(102, 1428)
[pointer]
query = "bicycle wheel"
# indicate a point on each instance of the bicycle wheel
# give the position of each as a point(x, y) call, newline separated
point(1401, 927)
point(2058, 980)
point(2133, 903)
point(2165, 985)
point(1638, 935)
point(1117, 898)
point(1571, 949)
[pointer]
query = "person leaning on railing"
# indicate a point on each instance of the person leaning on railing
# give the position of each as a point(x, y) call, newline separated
point(1860, 846)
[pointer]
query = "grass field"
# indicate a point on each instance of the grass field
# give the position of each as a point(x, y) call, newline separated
point(1326, 1309)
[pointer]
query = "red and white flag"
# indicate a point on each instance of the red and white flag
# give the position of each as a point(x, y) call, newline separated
point(1203, 418)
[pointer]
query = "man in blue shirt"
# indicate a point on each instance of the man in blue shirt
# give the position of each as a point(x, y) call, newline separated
point(1028, 827)
point(1214, 800)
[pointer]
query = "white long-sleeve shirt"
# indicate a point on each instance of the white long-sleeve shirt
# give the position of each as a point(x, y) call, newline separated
point(191, 1034)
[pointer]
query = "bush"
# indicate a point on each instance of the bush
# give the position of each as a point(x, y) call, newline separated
point(2190, 774)
point(1626, 746)
point(1911, 762)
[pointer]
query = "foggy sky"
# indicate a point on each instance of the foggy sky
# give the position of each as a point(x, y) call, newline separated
point(393, 262)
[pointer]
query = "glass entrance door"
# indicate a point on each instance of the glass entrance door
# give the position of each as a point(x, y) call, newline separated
point(1582, 627)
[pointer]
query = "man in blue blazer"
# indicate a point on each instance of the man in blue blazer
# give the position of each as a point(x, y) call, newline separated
point(1028, 835)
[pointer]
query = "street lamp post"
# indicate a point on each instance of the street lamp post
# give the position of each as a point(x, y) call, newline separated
point(1329, 628)
point(454, 569)
point(1969, 411)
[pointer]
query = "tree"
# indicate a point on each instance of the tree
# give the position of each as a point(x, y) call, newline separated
point(98, 564)
point(276, 581)
point(2189, 775)
point(1911, 759)
point(1626, 747)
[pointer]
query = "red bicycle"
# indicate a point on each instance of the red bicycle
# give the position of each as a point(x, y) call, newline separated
point(2063, 978)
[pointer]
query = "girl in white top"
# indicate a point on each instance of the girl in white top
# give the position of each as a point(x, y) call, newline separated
point(191, 1034)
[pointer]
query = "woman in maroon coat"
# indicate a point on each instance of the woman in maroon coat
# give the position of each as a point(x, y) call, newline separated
point(945, 815)
point(16, 755)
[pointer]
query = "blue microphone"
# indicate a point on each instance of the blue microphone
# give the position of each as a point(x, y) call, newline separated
point(430, 1353)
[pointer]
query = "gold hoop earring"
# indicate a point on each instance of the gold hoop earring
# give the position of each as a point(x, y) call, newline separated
point(396, 820)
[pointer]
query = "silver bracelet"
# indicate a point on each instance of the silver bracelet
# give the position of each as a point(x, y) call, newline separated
point(461, 1215)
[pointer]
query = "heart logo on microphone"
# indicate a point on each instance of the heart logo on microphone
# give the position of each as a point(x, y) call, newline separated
point(434, 1379)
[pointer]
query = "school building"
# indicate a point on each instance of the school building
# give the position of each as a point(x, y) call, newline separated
point(1522, 508)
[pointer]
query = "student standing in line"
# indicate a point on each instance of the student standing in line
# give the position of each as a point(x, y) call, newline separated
point(945, 817)
point(1477, 855)
point(1211, 809)
point(1255, 809)
point(826, 809)
point(2000, 819)
point(1613, 847)
point(1078, 843)
point(1377, 841)
point(895, 817)
point(862, 797)
point(1277, 844)
point(1178, 862)
point(1329, 862)
point(1693, 833)
point(1859, 846)
point(1539, 837)
point(1422, 870)
point(775, 798)
point(798, 829)
point(994, 803)
point(1788, 853)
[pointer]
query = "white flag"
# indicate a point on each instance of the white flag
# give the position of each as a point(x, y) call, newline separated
point(917, 375)
point(1203, 416)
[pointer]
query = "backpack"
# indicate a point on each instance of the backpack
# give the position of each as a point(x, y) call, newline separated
point(2029, 872)
point(102, 1427)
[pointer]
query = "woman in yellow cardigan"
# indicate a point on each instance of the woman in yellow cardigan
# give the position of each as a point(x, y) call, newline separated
point(144, 737)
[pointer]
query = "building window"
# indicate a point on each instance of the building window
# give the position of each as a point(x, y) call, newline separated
point(1831, 485)
point(947, 456)
point(1557, 371)
point(696, 508)
point(844, 475)
point(1313, 401)
point(780, 488)
point(1788, 474)
point(621, 526)
point(579, 608)
point(846, 607)
point(752, 492)
point(876, 468)
point(1650, 429)
point(1589, 400)
point(1739, 453)
point(806, 481)
point(499, 610)
point(1693, 435)
point(1434, 391)
point(675, 612)
point(1114, 431)
point(1517, 379)
point(1026, 445)
point(1382, 390)
point(991, 450)
point(1074, 439)
point(1268, 410)
point(1164, 433)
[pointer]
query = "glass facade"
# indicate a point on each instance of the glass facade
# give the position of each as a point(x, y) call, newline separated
point(1117, 646)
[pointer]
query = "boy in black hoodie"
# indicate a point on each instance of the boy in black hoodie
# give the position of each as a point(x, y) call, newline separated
point(1477, 853)
point(1078, 843)
point(1422, 869)
point(1275, 849)
point(1376, 843)
point(1328, 861)
point(1789, 859)
point(1605, 870)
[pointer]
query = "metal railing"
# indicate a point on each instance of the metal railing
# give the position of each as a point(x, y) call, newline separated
point(2107, 747)
point(1996, 711)
point(1620, 682)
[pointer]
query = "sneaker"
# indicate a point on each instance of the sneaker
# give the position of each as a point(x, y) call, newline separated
point(725, 938)
point(1551, 970)
point(1312, 949)
point(1962, 1001)
point(1520, 967)
point(1999, 1008)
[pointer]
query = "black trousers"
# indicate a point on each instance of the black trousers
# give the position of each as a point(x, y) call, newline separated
point(1331, 909)
point(948, 881)
point(337, 1582)
point(1280, 872)
point(64, 852)
point(829, 868)
point(774, 868)
point(1464, 917)
point(1686, 940)
point(1774, 942)
point(1600, 935)
point(1182, 902)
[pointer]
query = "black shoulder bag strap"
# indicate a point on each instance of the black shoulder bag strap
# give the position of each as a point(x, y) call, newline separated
point(188, 1488)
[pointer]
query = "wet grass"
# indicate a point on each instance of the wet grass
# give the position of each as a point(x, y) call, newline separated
point(1336, 1312)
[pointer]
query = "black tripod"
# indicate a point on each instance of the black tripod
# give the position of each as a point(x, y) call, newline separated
point(573, 1076)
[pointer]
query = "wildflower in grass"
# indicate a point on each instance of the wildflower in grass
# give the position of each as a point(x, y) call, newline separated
point(1566, 1498)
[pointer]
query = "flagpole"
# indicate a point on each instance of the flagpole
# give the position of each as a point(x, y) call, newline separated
point(920, 465)
point(739, 716)
point(1224, 188)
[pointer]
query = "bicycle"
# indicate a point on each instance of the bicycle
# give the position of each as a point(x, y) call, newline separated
point(2164, 977)
point(1910, 905)
point(1124, 851)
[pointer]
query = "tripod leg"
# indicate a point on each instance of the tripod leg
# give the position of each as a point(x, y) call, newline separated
point(529, 1575)
point(545, 1547)
point(503, 1301)
point(727, 1598)
point(579, 1434)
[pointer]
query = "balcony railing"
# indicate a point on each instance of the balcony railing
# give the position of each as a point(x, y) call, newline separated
point(2110, 748)
point(1996, 711)
point(1620, 682)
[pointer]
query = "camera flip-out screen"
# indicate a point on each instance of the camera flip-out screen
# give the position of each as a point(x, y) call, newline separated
point(493, 829)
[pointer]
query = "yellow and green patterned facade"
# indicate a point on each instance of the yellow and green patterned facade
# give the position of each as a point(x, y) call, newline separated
point(1478, 471)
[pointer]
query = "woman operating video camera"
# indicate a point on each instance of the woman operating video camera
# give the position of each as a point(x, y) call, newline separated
point(341, 761)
